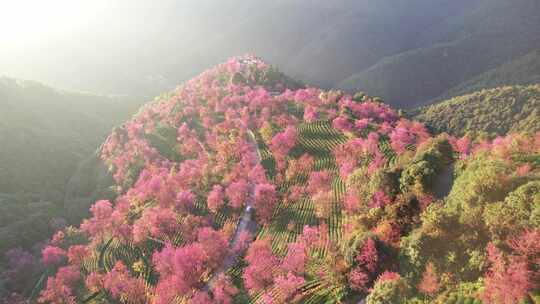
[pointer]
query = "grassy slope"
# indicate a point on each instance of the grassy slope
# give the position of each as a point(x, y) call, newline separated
point(495, 111)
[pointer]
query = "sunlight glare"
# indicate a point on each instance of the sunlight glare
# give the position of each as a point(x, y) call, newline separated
point(27, 20)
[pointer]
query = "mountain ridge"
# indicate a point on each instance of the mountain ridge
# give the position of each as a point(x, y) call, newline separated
point(319, 43)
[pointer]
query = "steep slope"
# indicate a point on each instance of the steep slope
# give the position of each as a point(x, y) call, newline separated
point(481, 39)
point(496, 111)
point(340, 193)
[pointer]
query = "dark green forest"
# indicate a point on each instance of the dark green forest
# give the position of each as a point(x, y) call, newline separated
point(488, 112)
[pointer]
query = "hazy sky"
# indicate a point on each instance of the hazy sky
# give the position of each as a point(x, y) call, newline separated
point(116, 46)
point(146, 47)
point(67, 42)
point(27, 21)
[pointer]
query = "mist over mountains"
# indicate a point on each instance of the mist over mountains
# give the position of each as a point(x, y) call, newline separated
point(45, 133)
point(407, 52)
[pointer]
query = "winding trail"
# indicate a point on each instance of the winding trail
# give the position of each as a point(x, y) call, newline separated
point(247, 224)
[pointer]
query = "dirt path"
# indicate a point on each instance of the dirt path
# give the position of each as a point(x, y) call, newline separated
point(247, 224)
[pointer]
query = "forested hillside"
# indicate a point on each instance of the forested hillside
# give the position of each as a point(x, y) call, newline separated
point(45, 135)
point(245, 187)
point(487, 35)
point(497, 111)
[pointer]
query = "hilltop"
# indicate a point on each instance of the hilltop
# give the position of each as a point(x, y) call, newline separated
point(244, 187)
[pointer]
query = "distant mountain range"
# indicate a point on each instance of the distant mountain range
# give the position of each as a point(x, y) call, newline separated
point(407, 52)
point(523, 70)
